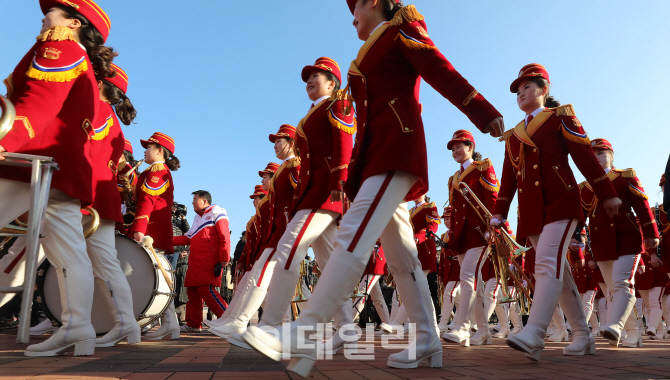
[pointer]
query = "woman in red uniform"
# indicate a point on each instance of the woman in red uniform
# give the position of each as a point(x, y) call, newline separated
point(324, 142)
point(384, 81)
point(107, 146)
point(650, 283)
point(449, 272)
point(617, 243)
point(536, 163)
point(466, 237)
point(369, 285)
point(664, 230)
point(153, 216)
point(254, 248)
point(280, 196)
point(55, 93)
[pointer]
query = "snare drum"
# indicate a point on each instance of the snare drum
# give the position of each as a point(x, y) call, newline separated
point(151, 293)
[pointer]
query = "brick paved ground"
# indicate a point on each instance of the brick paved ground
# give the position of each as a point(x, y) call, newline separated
point(204, 356)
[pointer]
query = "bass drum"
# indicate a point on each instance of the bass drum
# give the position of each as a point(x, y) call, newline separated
point(151, 293)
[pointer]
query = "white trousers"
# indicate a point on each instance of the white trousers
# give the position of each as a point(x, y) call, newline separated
point(370, 285)
point(13, 267)
point(450, 297)
point(470, 279)
point(588, 300)
point(401, 316)
point(101, 249)
point(619, 276)
point(653, 300)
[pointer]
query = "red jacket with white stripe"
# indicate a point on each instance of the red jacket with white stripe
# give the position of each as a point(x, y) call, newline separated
point(209, 238)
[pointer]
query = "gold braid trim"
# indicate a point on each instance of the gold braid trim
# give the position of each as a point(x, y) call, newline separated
point(470, 97)
point(417, 46)
point(57, 33)
point(600, 179)
point(628, 173)
point(142, 217)
point(590, 207)
point(517, 164)
point(566, 110)
point(158, 167)
point(507, 135)
point(582, 185)
point(339, 168)
point(483, 164)
point(340, 95)
point(653, 221)
point(406, 15)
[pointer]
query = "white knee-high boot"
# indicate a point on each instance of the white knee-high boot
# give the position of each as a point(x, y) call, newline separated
point(170, 325)
point(119, 299)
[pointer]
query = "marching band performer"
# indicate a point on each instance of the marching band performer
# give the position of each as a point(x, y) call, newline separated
point(280, 196)
point(664, 229)
point(324, 141)
point(254, 248)
point(370, 285)
point(536, 163)
point(384, 82)
point(466, 237)
point(153, 215)
point(423, 217)
point(650, 284)
point(55, 93)
point(617, 243)
point(125, 165)
point(107, 146)
point(450, 276)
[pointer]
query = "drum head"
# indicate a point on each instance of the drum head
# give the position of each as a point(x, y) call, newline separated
point(135, 264)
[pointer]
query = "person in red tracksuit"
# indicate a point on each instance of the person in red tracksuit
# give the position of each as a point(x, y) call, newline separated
point(466, 237)
point(536, 164)
point(384, 81)
point(618, 242)
point(209, 238)
point(56, 97)
point(449, 273)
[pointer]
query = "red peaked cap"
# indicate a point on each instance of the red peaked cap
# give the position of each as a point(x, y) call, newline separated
point(88, 8)
point(601, 144)
point(286, 130)
point(325, 64)
point(120, 80)
point(461, 136)
point(352, 4)
point(127, 146)
point(270, 169)
point(258, 191)
point(161, 139)
point(447, 212)
point(531, 70)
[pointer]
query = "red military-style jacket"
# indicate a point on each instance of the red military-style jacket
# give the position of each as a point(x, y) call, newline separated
point(582, 276)
point(536, 163)
point(377, 263)
point(106, 149)
point(651, 278)
point(384, 80)
point(620, 235)
point(56, 97)
point(264, 226)
point(665, 238)
point(280, 197)
point(251, 236)
point(424, 217)
point(481, 178)
point(324, 146)
point(153, 216)
point(450, 270)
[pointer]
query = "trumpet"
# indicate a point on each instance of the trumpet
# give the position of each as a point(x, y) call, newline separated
point(129, 195)
point(440, 291)
point(299, 295)
point(7, 116)
point(502, 248)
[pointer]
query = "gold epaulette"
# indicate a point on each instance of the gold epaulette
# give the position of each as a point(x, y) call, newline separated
point(293, 162)
point(483, 164)
point(57, 33)
point(627, 173)
point(582, 185)
point(406, 15)
point(158, 167)
point(507, 135)
point(566, 110)
point(431, 205)
point(340, 95)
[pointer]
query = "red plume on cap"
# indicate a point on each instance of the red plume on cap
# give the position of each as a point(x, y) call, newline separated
point(532, 70)
point(161, 139)
point(662, 180)
point(87, 8)
point(258, 191)
point(270, 169)
point(325, 64)
point(286, 130)
point(601, 144)
point(461, 136)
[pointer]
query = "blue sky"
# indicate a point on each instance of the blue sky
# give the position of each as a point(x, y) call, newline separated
point(219, 76)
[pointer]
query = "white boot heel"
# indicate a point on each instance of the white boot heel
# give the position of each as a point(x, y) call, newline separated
point(488, 341)
point(175, 334)
point(435, 361)
point(301, 366)
point(84, 348)
point(135, 337)
point(465, 342)
point(535, 354)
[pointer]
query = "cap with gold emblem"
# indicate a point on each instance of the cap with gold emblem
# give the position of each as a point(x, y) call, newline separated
point(286, 130)
point(88, 9)
point(601, 144)
point(161, 139)
point(447, 213)
point(120, 80)
point(325, 64)
point(258, 191)
point(461, 136)
point(532, 70)
point(270, 169)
